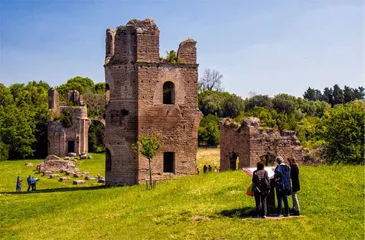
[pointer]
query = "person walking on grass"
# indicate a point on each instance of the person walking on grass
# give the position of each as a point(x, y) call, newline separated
point(282, 185)
point(261, 188)
point(18, 184)
point(294, 175)
point(29, 181)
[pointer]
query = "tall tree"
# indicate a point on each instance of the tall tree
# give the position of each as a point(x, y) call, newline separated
point(211, 80)
point(338, 97)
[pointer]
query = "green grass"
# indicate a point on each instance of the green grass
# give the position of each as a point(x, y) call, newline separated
point(208, 206)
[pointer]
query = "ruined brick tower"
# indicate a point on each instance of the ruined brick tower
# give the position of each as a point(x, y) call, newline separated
point(149, 96)
point(74, 138)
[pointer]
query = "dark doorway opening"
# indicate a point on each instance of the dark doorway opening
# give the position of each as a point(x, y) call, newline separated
point(108, 160)
point(71, 146)
point(168, 93)
point(233, 161)
point(169, 162)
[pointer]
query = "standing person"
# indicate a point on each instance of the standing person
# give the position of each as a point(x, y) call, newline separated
point(261, 188)
point(282, 185)
point(294, 175)
point(33, 182)
point(18, 184)
point(209, 168)
point(29, 181)
point(205, 169)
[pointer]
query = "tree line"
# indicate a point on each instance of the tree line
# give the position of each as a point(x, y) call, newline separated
point(332, 123)
point(329, 123)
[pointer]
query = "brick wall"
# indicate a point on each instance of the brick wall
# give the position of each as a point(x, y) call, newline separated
point(135, 76)
point(251, 143)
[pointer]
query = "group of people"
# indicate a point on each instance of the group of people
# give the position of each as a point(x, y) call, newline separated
point(31, 183)
point(285, 182)
point(208, 168)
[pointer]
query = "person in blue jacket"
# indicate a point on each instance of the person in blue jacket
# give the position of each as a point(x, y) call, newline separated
point(282, 185)
point(29, 181)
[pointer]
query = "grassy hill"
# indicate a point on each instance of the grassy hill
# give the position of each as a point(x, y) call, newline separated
point(208, 206)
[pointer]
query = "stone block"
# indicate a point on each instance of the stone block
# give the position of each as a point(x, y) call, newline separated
point(47, 173)
point(54, 176)
point(64, 179)
point(78, 182)
point(29, 164)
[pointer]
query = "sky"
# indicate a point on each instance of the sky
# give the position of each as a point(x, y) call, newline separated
point(260, 46)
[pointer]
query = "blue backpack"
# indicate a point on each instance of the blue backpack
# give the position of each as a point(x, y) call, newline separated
point(282, 178)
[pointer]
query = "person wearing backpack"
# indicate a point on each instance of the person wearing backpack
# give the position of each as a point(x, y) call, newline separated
point(282, 185)
point(261, 188)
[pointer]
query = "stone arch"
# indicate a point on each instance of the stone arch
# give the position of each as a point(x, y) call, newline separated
point(168, 92)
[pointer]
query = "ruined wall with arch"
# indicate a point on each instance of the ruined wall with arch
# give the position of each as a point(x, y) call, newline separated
point(252, 144)
point(136, 75)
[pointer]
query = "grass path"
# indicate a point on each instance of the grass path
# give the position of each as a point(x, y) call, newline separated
point(208, 206)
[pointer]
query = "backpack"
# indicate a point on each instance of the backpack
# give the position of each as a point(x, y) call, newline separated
point(282, 178)
point(263, 184)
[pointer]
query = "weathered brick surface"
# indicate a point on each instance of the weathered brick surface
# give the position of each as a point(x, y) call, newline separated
point(135, 77)
point(250, 143)
point(58, 136)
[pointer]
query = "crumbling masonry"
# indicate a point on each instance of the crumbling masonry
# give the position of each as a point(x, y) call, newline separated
point(245, 145)
point(63, 140)
point(149, 96)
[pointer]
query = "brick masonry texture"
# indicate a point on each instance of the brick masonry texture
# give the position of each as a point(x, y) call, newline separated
point(250, 144)
point(59, 136)
point(135, 76)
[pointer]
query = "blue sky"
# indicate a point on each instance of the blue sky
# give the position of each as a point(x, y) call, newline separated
point(266, 47)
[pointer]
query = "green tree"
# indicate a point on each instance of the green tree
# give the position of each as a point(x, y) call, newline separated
point(343, 132)
point(284, 103)
point(338, 97)
point(96, 137)
point(208, 131)
point(147, 146)
point(259, 101)
point(81, 84)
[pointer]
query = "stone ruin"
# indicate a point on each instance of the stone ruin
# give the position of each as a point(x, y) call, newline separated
point(53, 164)
point(147, 95)
point(249, 143)
point(63, 140)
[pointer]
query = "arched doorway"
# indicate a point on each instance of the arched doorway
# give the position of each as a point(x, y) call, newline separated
point(96, 136)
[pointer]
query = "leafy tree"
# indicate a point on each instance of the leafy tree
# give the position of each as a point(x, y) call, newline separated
point(343, 132)
point(81, 84)
point(259, 101)
point(211, 80)
point(359, 93)
point(99, 88)
point(96, 137)
point(312, 94)
point(284, 103)
point(232, 105)
point(95, 104)
point(328, 95)
point(338, 97)
point(208, 131)
point(147, 146)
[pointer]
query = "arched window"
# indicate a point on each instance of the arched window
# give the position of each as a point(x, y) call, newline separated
point(168, 93)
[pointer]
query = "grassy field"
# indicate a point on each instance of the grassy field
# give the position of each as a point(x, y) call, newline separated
point(208, 206)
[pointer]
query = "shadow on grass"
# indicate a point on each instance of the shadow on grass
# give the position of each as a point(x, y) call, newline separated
point(246, 212)
point(51, 190)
